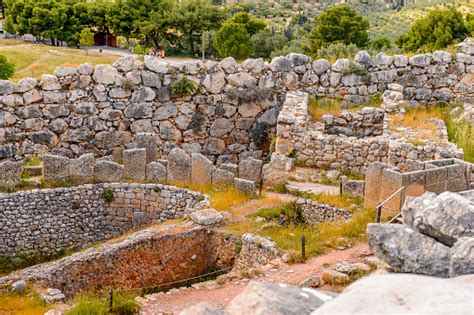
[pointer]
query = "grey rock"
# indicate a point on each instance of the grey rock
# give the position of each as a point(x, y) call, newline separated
point(107, 171)
point(202, 308)
point(55, 167)
point(156, 65)
point(406, 250)
point(32, 96)
point(206, 217)
point(222, 178)
point(462, 259)
point(420, 295)
point(18, 287)
point(298, 59)
point(179, 166)
point(276, 299)
point(363, 58)
point(214, 146)
point(341, 65)
point(105, 74)
point(446, 218)
point(149, 142)
point(156, 172)
point(124, 64)
point(165, 111)
point(82, 168)
point(311, 282)
point(52, 296)
point(65, 71)
point(281, 64)
point(420, 60)
point(246, 187)
point(201, 170)
point(251, 169)
point(214, 82)
point(320, 66)
point(228, 64)
point(134, 163)
point(85, 69)
point(413, 204)
point(10, 173)
point(49, 82)
point(25, 85)
point(6, 87)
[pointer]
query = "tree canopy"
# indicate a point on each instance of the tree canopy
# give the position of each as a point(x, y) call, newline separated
point(437, 30)
point(7, 69)
point(232, 39)
point(339, 24)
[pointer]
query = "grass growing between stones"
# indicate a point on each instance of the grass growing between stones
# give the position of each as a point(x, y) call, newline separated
point(463, 135)
point(319, 106)
point(30, 304)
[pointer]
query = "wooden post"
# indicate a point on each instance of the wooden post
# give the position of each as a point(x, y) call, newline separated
point(340, 186)
point(378, 213)
point(303, 247)
point(111, 300)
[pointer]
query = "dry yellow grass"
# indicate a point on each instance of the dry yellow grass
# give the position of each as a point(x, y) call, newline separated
point(420, 120)
point(317, 107)
point(34, 60)
point(22, 305)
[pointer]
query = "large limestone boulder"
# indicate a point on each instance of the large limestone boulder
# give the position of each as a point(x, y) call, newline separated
point(251, 169)
point(462, 259)
point(56, 167)
point(105, 74)
point(446, 218)
point(82, 168)
point(156, 65)
point(206, 217)
point(10, 173)
point(107, 171)
point(179, 166)
point(134, 162)
point(201, 170)
point(261, 298)
point(407, 250)
point(401, 294)
point(156, 172)
point(413, 204)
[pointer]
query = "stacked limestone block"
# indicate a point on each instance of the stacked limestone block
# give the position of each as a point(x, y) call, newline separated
point(102, 109)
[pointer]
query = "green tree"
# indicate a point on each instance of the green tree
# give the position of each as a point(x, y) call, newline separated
point(194, 17)
point(7, 69)
point(86, 38)
point(440, 28)
point(232, 39)
point(266, 41)
point(251, 24)
point(470, 23)
point(339, 24)
point(379, 44)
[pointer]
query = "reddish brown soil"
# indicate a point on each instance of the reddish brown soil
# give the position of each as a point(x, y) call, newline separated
point(292, 274)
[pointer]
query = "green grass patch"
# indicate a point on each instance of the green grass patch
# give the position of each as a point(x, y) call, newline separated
point(463, 135)
point(91, 304)
point(35, 161)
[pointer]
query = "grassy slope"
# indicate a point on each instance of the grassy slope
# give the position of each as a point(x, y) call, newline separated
point(33, 60)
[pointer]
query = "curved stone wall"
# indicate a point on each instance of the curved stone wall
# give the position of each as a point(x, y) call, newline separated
point(51, 220)
point(102, 109)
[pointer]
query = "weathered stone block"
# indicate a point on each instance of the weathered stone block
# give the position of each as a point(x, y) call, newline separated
point(156, 172)
point(251, 169)
point(107, 171)
point(82, 168)
point(10, 173)
point(179, 166)
point(56, 167)
point(222, 178)
point(149, 142)
point(244, 186)
point(201, 170)
point(134, 163)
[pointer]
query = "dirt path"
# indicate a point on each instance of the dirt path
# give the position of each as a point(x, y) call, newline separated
point(177, 300)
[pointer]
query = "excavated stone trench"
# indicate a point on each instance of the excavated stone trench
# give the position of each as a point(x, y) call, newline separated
point(144, 259)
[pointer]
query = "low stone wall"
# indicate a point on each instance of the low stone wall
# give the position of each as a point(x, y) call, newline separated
point(102, 109)
point(256, 252)
point(295, 136)
point(314, 212)
point(51, 220)
point(382, 180)
point(147, 258)
point(367, 122)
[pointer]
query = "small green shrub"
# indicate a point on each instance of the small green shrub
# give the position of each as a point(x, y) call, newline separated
point(200, 198)
point(127, 85)
point(260, 134)
point(124, 304)
point(157, 189)
point(108, 195)
point(184, 87)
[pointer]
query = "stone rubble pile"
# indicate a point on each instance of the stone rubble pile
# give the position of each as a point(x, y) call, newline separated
point(436, 238)
point(367, 122)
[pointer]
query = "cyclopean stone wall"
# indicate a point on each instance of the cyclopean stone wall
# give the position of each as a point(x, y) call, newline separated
point(102, 109)
point(51, 220)
point(315, 212)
